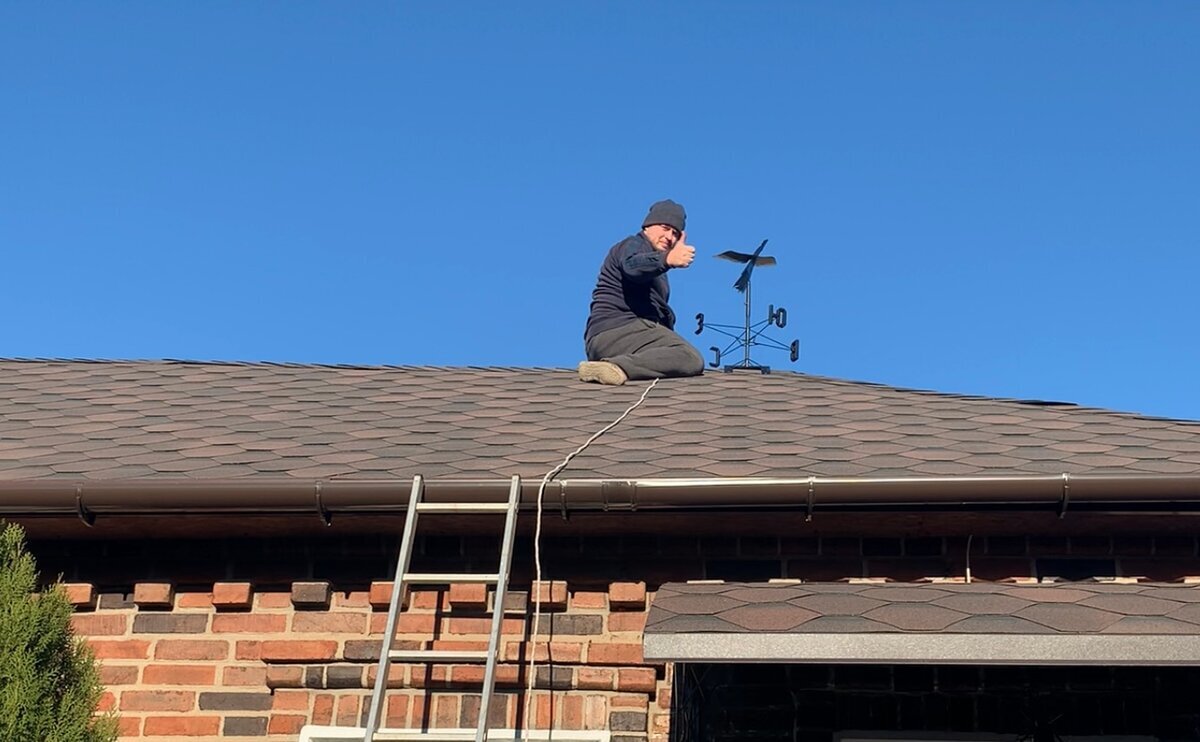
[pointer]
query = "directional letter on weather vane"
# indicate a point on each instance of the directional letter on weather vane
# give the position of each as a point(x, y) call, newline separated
point(750, 333)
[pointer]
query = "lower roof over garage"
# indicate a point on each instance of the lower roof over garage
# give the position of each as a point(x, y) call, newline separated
point(977, 623)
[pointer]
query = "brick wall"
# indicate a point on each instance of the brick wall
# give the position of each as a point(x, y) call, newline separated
point(245, 638)
point(236, 662)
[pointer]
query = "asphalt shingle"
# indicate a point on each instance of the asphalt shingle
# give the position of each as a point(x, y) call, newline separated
point(1148, 608)
point(111, 419)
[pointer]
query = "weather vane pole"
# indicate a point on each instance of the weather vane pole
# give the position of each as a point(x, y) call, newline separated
point(750, 333)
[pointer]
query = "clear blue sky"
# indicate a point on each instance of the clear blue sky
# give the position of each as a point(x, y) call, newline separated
point(997, 198)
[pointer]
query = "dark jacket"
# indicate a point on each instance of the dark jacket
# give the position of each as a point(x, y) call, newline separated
point(632, 283)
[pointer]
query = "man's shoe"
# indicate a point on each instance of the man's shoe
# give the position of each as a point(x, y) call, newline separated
point(602, 372)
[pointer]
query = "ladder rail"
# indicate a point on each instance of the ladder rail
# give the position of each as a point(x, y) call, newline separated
point(398, 585)
point(506, 549)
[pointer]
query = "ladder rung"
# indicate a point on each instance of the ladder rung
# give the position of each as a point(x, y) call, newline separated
point(435, 578)
point(438, 655)
point(462, 507)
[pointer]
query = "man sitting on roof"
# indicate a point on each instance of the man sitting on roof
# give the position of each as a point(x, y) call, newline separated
point(630, 331)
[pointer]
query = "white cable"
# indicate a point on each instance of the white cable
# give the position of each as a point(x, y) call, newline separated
point(537, 550)
point(969, 537)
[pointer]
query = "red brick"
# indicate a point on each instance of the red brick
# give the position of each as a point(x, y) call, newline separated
point(551, 593)
point(99, 624)
point(118, 674)
point(249, 623)
point(248, 650)
point(543, 710)
point(290, 700)
point(595, 678)
point(380, 594)
point(639, 679)
point(397, 712)
point(572, 712)
point(395, 675)
point(283, 676)
point(418, 712)
point(194, 600)
point(183, 726)
point(274, 600)
point(191, 649)
point(330, 623)
point(508, 626)
point(367, 650)
point(445, 712)
point(408, 623)
point(614, 654)
point(286, 650)
point(107, 702)
point(244, 676)
point(289, 723)
point(120, 649)
point(595, 712)
point(584, 599)
point(456, 646)
point(660, 727)
point(631, 621)
point(154, 594)
point(627, 595)
point(473, 674)
point(468, 596)
point(80, 594)
point(352, 599)
point(232, 595)
point(425, 675)
point(428, 599)
point(158, 700)
point(571, 652)
point(129, 726)
point(322, 709)
point(189, 674)
point(347, 711)
point(638, 701)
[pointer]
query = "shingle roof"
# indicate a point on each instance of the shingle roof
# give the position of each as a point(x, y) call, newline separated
point(116, 420)
point(987, 608)
point(1099, 624)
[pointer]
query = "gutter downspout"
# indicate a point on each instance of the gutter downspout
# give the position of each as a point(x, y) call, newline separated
point(289, 496)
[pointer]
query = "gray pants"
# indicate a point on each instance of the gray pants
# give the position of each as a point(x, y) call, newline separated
point(646, 350)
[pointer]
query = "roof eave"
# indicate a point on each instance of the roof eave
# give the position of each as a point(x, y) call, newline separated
point(286, 496)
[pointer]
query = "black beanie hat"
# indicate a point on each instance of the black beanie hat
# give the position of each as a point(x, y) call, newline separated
point(666, 212)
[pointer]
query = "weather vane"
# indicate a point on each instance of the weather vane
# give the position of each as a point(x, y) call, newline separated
point(749, 334)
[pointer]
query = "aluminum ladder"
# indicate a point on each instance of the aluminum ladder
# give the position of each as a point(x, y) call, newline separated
point(416, 507)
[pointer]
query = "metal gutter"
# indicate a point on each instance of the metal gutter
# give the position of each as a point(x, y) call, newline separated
point(290, 496)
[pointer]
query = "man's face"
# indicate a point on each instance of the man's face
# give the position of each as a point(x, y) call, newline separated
point(662, 236)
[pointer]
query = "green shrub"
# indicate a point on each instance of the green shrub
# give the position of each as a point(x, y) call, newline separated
point(49, 683)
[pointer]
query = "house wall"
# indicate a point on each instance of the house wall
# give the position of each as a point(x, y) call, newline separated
point(238, 662)
point(245, 638)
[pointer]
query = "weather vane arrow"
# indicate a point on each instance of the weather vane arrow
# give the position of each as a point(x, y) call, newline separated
point(749, 334)
point(750, 260)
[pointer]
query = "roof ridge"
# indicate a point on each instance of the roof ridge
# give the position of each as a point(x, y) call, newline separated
point(280, 364)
